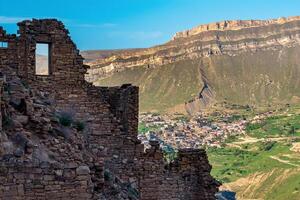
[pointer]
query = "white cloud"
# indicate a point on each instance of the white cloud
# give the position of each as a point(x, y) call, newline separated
point(136, 35)
point(11, 20)
point(146, 35)
point(105, 25)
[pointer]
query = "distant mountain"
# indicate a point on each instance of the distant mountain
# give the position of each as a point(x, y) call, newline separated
point(244, 62)
point(42, 63)
point(95, 55)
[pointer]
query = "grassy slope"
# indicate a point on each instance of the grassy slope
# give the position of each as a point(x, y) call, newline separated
point(229, 164)
point(256, 78)
point(260, 170)
point(161, 87)
point(250, 78)
point(278, 184)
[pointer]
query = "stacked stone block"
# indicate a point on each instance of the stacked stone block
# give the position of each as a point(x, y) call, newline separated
point(24, 181)
point(110, 115)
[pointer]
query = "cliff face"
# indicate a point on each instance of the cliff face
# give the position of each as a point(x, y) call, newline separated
point(237, 46)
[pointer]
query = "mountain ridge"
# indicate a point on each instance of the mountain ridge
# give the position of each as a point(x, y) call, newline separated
point(238, 43)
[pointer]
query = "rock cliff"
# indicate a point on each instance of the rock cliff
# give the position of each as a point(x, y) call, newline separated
point(243, 44)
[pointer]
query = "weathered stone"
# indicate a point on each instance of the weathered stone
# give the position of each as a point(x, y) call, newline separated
point(23, 119)
point(19, 152)
point(92, 150)
point(82, 170)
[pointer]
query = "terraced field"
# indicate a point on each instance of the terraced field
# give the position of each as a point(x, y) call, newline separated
point(266, 163)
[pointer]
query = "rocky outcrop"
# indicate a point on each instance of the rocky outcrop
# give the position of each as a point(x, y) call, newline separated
point(232, 25)
point(222, 38)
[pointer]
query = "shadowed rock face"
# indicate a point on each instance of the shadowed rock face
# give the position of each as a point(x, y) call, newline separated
point(244, 62)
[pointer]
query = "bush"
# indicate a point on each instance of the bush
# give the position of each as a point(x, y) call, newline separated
point(132, 192)
point(7, 88)
point(80, 126)
point(234, 118)
point(255, 126)
point(65, 119)
point(268, 145)
point(107, 175)
point(7, 122)
point(170, 154)
point(142, 129)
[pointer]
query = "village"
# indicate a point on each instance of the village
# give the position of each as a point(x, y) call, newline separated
point(194, 132)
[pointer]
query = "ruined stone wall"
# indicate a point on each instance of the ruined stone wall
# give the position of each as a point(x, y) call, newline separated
point(110, 116)
point(8, 55)
point(124, 105)
point(188, 177)
point(1, 94)
point(26, 181)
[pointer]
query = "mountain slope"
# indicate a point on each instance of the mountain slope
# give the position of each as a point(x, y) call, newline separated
point(242, 62)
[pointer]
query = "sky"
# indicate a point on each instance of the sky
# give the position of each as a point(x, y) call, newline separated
point(117, 24)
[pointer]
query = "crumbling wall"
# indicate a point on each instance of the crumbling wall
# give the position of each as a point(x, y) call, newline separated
point(8, 62)
point(124, 105)
point(1, 94)
point(21, 180)
point(110, 116)
point(188, 177)
point(111, 119)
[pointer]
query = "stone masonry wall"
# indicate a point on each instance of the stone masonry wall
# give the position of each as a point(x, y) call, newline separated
point(186, 178)
point(26, 181)
point(110, 116)
point(8, 55)
point(1, 94)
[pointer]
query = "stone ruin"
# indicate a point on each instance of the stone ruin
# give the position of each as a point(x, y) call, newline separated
point(63, 138)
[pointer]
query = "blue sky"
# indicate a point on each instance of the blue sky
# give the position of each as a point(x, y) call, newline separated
point(113, 24)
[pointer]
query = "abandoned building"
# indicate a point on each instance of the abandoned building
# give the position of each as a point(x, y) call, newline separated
point(63, 138)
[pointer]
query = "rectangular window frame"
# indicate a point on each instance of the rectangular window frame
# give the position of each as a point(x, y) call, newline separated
point(3, 44)
point(49, 59)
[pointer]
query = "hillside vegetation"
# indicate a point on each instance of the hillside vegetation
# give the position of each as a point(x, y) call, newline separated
point(264, 164)
point(259, 79)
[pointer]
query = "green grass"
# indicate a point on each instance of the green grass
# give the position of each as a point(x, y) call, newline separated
point(161, 87)
point(289, 189)
point(281, 177)
point(142, 128)
point(229, 163)
point(253, 79)
point(276, 126)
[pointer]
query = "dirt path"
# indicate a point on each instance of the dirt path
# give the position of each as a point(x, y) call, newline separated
point(295, 147)
point(284, 161)
point(248, 139)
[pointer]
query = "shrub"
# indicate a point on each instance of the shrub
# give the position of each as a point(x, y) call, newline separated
point(25, 84)
point(170, 154)
point(7, 88)
point(142, 129)
point(65, 119)
point(132, 192)
point(107, 175)
point(268, 145)
point(7, 122)
point(79, 125)
point(250, 127)
point(292, 130)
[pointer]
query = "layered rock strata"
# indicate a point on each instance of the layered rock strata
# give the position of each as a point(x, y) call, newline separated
point(222, 38)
